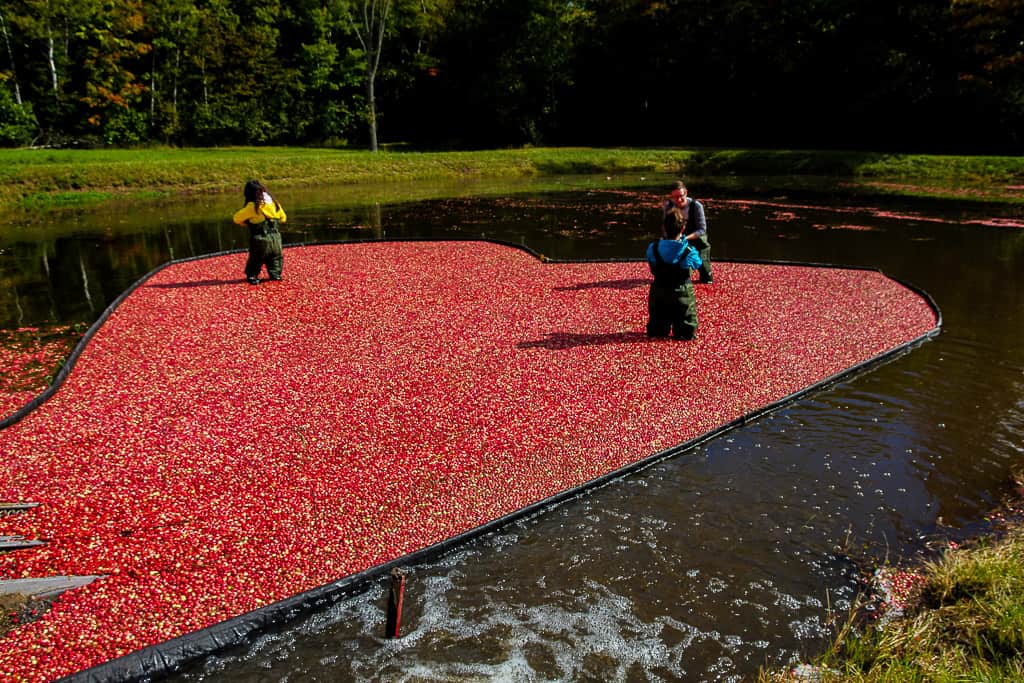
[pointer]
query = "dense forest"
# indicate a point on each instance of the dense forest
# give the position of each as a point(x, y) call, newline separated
point(924, 76)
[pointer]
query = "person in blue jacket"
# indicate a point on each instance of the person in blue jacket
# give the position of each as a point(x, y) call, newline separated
point(671, 306)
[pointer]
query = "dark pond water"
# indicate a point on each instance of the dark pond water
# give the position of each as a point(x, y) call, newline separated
point(705, 567)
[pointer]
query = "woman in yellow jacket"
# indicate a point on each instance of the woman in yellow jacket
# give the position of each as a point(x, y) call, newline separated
point(263, 216)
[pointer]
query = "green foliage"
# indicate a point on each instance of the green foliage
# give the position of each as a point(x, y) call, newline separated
point(17, 122)
point(174, 28)
point(508, 65)
point(993, 66)
point(126, 127)
point(880, 74)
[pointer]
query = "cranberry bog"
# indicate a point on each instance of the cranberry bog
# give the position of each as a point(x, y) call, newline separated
point(226, 456)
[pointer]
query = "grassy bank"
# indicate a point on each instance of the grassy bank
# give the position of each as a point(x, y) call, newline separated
point(48, 178)
point(965, 622)
point(42, 178)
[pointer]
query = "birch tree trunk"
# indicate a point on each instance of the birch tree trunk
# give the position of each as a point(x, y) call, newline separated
point(370, 76)
point(10, 55)
point(174, 95)
point(370, 31)
point(49, 57)
point(152, 90)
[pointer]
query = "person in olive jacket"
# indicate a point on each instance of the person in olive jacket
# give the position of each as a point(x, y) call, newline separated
point(696, 232)
point(263, 216)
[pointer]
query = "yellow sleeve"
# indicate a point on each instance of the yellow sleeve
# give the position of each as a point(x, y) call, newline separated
point(274, 210)
point(246, 213)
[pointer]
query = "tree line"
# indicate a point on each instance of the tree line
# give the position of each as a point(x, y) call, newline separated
point(928, 76)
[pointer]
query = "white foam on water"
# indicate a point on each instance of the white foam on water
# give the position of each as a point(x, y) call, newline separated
point(560, 640)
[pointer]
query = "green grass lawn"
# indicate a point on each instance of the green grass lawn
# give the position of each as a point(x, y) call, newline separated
point(39, 179)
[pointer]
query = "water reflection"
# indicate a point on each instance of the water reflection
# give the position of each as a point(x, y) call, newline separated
point(704, 567)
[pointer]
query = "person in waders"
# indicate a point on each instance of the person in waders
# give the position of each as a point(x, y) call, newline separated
point(696, 231)
point(263, 216)
point(671, 306)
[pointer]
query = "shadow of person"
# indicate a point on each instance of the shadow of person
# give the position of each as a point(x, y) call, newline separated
point(198, 283)
point(567, 340)
point(632, 283)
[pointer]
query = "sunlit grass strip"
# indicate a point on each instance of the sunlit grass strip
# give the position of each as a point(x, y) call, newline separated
point(42, 178)
point(34, 175)
point(83, 198)
point(219, 448)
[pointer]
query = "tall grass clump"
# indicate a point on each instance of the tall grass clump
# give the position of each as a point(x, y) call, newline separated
point(967, 624)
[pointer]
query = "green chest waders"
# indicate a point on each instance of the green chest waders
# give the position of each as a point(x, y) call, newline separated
point(671, 306)
point(701, 244)
point(264, 250)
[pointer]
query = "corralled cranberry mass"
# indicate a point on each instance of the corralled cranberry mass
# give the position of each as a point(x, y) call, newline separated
point(29, 356)
point(221, 446)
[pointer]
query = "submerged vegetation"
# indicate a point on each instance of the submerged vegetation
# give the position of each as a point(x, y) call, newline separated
point(40, 179)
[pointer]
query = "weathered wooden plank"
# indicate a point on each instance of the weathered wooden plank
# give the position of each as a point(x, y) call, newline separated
point(18, 542)
point(15, 507)
point(47, 587)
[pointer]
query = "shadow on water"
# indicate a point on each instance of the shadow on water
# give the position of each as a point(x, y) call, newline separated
point(703, 567)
